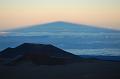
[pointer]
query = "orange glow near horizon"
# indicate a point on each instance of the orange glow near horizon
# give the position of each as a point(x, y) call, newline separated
point(19, 13)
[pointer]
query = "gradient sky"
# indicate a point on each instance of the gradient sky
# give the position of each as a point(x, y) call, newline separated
point(19, 13)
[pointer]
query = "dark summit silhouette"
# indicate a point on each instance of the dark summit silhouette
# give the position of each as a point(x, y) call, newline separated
point(38, 54)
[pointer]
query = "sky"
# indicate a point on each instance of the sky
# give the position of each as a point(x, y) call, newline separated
point(20, 13)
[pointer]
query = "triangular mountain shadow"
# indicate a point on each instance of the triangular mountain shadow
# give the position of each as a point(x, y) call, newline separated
point(38, 54)
point(59, 26)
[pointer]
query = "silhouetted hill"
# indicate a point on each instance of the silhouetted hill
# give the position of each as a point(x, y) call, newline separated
point(38, 54)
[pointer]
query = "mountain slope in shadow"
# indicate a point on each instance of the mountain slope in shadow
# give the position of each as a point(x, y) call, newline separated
point(38, 54)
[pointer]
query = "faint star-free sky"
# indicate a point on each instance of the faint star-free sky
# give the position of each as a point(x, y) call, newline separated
point(20, 13)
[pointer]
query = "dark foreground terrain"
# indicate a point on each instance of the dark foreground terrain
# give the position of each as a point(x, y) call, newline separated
point(39, 61)
point(82, 70)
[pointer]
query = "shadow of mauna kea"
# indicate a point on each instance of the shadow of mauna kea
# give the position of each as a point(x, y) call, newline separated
point(40, 54)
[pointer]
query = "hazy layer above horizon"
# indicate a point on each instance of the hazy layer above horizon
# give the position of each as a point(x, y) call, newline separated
point(19, 13)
